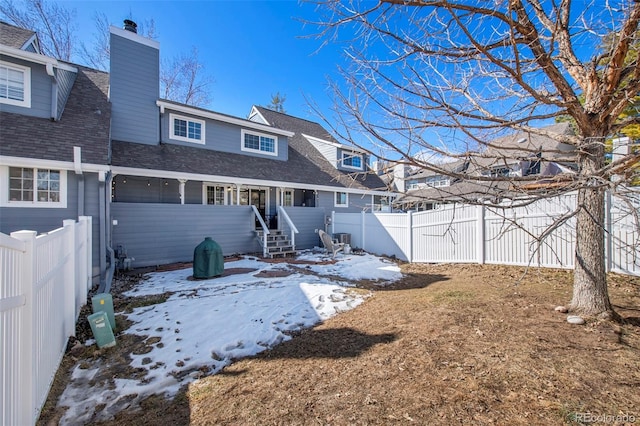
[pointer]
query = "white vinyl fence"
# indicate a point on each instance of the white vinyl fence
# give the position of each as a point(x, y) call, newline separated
point(44, 282)
point(478, 234)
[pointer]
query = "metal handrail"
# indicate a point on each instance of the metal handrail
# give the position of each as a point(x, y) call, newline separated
point(294, 230)
point(265, 228)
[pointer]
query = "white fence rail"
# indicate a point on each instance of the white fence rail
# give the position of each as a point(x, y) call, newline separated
point(44, 281)
point(478, 234)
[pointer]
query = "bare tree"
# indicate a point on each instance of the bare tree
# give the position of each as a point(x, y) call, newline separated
point(96, 54)
point(277, 102)
point(53, 23)
point(449, 77)
point(182, 80)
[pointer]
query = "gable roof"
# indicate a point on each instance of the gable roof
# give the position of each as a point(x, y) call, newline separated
point(456, 166)
point(305, 166)
point(526, 144)
point(85, 122)
point(15, 37)
point(299, 145)
point(463, 191)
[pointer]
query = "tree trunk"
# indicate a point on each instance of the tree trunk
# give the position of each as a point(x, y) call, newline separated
point(590, 293)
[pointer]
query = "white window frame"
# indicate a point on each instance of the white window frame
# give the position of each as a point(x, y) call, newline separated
point(5, 201)
point(438, 181)
point(227, 189)
point(351, 154)
point(26, 82)
point(284, 197)
point(335, 199)
point(172, 135)
point(260, 135)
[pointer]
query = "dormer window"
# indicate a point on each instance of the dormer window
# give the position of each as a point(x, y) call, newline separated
point(186, 129)
point(352, 160)
point(15, 85)
point(259, 143)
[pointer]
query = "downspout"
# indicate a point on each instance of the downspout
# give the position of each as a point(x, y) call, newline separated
point(77, 165)
point(54, 91)
point(105, 214)
point(112, 258)
point(105, 280)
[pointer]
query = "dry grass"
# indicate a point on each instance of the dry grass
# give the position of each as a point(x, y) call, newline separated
point(451, 344)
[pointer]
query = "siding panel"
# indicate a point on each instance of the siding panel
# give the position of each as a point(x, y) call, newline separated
point(135, 85)
point(40, 91)
point(155, 234)
point(65, 83)
point(307, 220)
point(220, 136)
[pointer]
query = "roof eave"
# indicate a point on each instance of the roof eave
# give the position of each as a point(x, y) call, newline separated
point(220, 117)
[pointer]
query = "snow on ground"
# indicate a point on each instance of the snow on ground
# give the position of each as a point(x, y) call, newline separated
point(204, 325)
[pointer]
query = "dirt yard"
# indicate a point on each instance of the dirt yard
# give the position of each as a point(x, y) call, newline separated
point(450, 344)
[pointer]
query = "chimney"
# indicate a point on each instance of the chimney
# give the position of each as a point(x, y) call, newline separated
point(129, 25)
point(134, 87)
point(400, 172)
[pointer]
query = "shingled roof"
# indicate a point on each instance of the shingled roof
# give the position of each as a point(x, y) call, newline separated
point(13, 36)
point(84, 123)
point(525, 144)
point(305, 165)
point(302, 147)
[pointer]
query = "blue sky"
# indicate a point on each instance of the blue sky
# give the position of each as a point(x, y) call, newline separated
point(251, 49)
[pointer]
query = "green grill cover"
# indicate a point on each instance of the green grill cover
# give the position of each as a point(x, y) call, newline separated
point(207, 259)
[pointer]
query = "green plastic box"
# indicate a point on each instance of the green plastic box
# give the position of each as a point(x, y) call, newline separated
point(102, 330)
point(103, 302)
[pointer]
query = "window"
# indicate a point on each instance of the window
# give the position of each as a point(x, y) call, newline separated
point(186, 129)
point(287, 198)
point(381, 204)
point(438, 181)
point(216, 195)
point(352, 160)
point(501, 172)
point(31, 187)
point(342, 199)
point(257, 142)
point(15, 85)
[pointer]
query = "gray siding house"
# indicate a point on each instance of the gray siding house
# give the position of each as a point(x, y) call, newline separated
point(182, 173)
point(54, 141)
point(158, 176)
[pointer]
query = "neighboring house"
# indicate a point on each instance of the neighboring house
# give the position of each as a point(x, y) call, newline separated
point(517, 155)
point(54, 140)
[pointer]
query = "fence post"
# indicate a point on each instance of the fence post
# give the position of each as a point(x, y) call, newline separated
point(333, 222)
point(70, 277)
point(480, 234)
point(410, 236)
point(87, 238)
point(608, 229)
point(363, 218)
point(27, 395)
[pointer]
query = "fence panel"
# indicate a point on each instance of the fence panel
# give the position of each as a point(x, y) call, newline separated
point(625, 237)
point(388, 234)
point(42, 281)
point(350, 223)
point(513, 235)
point(539, 234)
point(13, 318)
point(448, 234)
